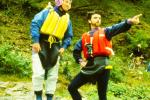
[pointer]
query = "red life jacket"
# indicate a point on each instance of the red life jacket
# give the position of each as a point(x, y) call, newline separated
point(100, 44)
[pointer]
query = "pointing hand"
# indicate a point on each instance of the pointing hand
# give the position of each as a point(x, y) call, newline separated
point(135, 19)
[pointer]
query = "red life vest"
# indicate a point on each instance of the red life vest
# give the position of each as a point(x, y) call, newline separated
point(100, 44)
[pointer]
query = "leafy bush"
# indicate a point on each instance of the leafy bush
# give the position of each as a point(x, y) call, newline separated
point(139, 93)
point(12, 62)
point(26, 7)
point(118, 90)
point(68, 67)
point(117, 71)
point(126, 92)
point(139, 37)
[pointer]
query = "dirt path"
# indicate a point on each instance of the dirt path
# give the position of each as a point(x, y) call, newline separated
point(19, 91)
point(16, 91)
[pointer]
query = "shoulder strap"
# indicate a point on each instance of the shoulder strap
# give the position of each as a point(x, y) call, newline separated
point(49, 6)
point(91, 37)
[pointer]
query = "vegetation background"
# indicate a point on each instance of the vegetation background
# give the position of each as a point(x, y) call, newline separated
point(129, 77)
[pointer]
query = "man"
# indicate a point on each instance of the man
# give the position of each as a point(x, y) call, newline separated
point(48, 28)
point(96, 47)
point(137, 56)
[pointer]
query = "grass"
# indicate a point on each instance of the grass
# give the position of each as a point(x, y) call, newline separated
point(14, 78)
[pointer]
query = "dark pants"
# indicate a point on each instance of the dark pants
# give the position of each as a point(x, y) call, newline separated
point(81, 79)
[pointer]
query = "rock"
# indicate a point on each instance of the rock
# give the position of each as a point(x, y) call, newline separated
point(4, 84)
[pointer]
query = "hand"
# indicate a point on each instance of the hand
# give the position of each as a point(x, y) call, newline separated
point(61, 50)
point(36, 47)
point(83, 63)
point(135, 19)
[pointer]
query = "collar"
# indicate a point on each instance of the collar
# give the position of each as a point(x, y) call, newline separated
point(57, 9)
point(94, 30)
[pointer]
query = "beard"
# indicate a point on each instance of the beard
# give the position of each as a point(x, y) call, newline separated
point(97, 24)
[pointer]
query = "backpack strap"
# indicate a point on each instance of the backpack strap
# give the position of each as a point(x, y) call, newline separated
point(49, 6)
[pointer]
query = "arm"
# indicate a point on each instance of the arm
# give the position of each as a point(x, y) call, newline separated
point(36, 25)
point(35, 29)
point(67, 38)
point(116, 29)
point(121, 27)
point(77, 51)
point(77, 54)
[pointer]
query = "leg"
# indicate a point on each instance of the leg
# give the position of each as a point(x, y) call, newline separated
point(49, 96)
point(76, 83)
point(51, 81)
point(38, 75)
point(102, 82)
point(38, 95)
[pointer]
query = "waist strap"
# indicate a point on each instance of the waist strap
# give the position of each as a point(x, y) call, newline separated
point(51, 40)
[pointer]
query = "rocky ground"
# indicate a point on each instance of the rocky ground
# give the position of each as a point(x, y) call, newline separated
point(16, 91)
point(19, 91)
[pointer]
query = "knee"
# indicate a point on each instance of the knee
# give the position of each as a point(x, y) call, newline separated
point(37, 78)
point(38, 74)
point(52, 78)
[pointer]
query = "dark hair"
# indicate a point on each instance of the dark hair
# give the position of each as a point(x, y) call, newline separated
point(90, 13)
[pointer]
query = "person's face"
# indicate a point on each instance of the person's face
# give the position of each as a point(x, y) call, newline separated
point(95, 20)
point(66, 5)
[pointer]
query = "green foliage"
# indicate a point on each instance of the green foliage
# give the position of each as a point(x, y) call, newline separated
point(139, 92)
point(126, 92)
point(118, 90)
point(117, 72)
point(146, 75)
point(67, 73)
point(140, 37)
point(68, 67)
point(26, 7)
point(31, 7)
point(79, 2)
point(12, 62)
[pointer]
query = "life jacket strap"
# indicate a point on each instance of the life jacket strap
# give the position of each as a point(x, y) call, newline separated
point(52, 40)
